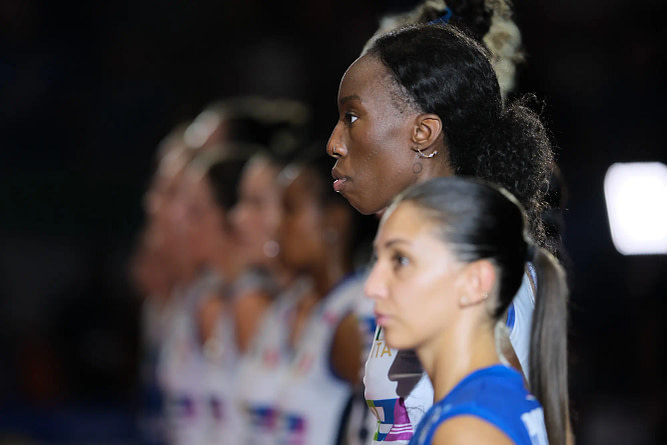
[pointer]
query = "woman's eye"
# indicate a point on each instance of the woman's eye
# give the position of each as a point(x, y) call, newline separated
point(350, 118)
point(400, 261)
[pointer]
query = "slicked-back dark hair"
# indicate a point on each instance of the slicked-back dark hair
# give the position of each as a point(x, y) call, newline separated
point(478, 221)
point(443, 71)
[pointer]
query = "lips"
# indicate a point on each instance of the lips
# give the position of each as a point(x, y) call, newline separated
point(339, 180)
point(381, 319)
point(338, 184)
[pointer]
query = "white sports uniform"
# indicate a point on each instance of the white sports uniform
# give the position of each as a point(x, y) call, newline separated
point(312, 399)
point(398, 392)
point(264, 366)
point(198, 382)
point(154, 329)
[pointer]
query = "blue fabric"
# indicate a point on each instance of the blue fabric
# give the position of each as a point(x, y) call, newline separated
point(511, 316)
point(495, 394)
point(444, 19)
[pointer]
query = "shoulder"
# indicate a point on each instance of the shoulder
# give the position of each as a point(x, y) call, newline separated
point(467, 430)
point(495, 398)
point(346, 350)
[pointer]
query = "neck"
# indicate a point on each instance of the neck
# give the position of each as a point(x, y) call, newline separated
point(327, 275)
point(456, 353)
point(281, 274)
point(226, 261)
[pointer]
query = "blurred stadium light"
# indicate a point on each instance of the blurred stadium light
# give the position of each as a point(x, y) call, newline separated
point(636, 197)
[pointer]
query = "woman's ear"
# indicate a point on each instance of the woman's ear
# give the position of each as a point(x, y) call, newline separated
point(427, 129)
point(479, 280)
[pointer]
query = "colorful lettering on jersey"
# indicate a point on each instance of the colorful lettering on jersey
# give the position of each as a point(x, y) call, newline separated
point(217, 409)
point(393, 421)
point(534, 422)
point(305, 363)
point(295, 429)
point(183, 407)
point(263, 418)
point(380, 349)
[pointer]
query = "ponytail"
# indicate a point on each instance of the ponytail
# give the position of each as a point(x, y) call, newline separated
point(548, 347)
point(516, 154)
point(443, 71)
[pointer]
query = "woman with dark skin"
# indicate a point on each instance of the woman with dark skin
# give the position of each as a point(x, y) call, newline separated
point(424, 102)
point(315, 239)
point(487, 21)
point(300, 370)
point(256, 217)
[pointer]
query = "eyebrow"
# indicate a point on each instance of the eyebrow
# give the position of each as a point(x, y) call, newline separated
point(349, 98)
point(392, 242)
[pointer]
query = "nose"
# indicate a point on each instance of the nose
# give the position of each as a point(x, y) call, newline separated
point(237, 216)
point(375, 287)
point(335, 146)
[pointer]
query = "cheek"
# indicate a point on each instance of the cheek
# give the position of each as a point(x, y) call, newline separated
point(302, 239)
point(386, 150)
point(424, 310)
point(271, 219)
point(387, 175)
point(250, 223)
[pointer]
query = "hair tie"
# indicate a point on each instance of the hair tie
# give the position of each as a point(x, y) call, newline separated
point(444, 19)
point(530, 252)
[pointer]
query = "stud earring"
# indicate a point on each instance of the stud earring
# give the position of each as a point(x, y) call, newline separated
point(422, 155)
point(271, 248)
point(485, 295)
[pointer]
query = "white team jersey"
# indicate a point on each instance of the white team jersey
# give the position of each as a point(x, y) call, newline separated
point(312, 400)
point(399, 393)
point(220, 380)
point(264, 367)
point(520, 318)
point(360, 422)
point(154, 328)
point(197, 383)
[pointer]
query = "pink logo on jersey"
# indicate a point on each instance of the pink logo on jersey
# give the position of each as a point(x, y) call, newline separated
point(304, 364)
point(402, 428)
point(330, 317)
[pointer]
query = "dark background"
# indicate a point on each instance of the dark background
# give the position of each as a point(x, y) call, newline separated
point(88, 89)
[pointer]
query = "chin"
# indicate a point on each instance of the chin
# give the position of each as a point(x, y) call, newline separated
point(364, 209)
point(397, 341)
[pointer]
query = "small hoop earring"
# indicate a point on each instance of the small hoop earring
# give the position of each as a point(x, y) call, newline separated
point(422, 155)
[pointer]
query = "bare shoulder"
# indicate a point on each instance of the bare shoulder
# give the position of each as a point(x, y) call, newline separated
point(462, 430)
point(346, 350)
